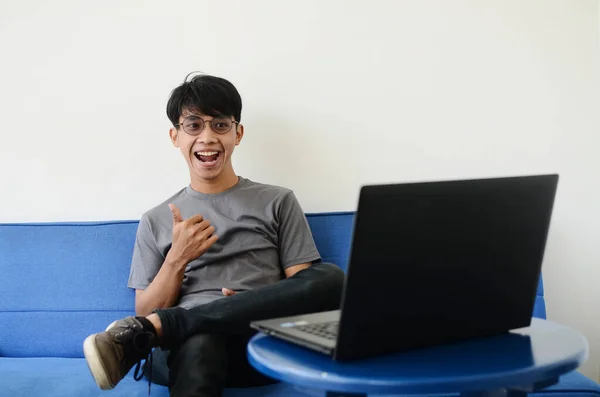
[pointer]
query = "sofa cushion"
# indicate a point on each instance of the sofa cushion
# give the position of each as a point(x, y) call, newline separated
point(57, 333)
point(332, 233)
point(36, 377)
point(61, 282)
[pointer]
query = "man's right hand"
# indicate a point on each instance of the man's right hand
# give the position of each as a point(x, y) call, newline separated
point(191, 237)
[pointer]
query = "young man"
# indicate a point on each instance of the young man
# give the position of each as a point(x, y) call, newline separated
point(218, 254)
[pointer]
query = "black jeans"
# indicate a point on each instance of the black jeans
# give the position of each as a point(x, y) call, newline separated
point(208, 343)
point(204, 364)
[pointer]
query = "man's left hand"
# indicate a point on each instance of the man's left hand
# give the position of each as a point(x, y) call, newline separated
point(228, 292)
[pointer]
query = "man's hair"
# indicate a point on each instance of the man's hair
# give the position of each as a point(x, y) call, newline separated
point(209, 95)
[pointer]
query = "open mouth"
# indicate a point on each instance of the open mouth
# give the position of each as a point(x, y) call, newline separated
point(207, 157)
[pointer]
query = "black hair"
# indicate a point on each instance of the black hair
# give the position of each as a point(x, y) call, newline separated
point(209, 95)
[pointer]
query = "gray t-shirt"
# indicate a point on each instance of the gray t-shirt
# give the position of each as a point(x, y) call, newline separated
point(261, 228)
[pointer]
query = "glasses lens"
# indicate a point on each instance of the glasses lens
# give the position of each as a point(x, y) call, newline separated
point(193, 126)
point(221, 125)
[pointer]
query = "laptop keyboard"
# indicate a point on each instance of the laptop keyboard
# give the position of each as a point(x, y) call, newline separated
point(326, 330)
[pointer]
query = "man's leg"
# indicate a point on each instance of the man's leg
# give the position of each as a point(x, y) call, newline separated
point(157, 370)
point(111, 354)
point(317, 288)
point(203, 364)
point(198, 367)
point(240, 373)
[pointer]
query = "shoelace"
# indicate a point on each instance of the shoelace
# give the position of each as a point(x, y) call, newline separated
point(138, 373)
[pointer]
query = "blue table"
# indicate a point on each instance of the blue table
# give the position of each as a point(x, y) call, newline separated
point(522, 361)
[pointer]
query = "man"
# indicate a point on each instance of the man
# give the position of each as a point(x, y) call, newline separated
point(218, 254)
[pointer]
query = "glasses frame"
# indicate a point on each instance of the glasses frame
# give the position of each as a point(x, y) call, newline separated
point(204, 124)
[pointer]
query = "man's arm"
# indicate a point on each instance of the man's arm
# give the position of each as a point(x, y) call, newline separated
point(297, 249)
point(163, 291)
point(290, 271)
point(191, 239)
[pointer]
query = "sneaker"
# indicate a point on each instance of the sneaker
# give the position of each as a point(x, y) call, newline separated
point(112, 353)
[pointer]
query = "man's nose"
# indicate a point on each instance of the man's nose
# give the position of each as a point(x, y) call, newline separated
point(207, 135)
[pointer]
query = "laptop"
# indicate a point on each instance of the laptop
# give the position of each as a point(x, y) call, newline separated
point(433, 263)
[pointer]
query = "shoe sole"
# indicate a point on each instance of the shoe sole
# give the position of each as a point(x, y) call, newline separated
point(92, 357)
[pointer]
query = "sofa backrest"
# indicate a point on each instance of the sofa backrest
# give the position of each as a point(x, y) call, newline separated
point(59, 282)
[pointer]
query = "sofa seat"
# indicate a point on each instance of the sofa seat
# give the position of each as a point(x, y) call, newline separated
point(57, 376)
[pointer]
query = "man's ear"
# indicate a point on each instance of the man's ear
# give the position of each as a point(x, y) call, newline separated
point(174, 134)
point(239, 134)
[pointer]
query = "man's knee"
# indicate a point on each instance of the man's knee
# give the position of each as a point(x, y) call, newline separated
point(330, 269)
point(326, 281)
point(328, 273)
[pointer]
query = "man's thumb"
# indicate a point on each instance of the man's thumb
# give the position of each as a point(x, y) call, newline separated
point(176, 214)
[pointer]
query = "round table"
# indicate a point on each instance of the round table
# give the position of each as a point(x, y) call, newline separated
point(522, 361)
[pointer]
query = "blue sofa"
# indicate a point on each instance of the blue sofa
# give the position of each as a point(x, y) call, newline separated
point(60, 282)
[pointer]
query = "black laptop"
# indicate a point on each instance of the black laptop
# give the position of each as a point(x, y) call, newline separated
point(433, 263)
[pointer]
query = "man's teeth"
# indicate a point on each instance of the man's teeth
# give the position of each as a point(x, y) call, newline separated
point(207, 153)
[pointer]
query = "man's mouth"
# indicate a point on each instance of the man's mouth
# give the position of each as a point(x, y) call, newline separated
point(207, 156)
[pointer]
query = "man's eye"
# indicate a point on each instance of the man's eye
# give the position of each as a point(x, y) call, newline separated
point(192, 126)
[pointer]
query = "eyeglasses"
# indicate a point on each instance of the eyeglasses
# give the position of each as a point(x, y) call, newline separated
point(194, 125)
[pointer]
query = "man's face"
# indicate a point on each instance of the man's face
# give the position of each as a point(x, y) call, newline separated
point(208, 151)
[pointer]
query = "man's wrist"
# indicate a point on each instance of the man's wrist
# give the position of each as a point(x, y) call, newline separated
point(176, 263)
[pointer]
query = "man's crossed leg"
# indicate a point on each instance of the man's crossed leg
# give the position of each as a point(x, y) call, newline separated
point(111, 354)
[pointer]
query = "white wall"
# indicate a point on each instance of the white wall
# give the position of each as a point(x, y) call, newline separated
point(337, 93)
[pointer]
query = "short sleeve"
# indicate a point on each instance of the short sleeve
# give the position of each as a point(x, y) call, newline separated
point(147, 259)
point(296, 243)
